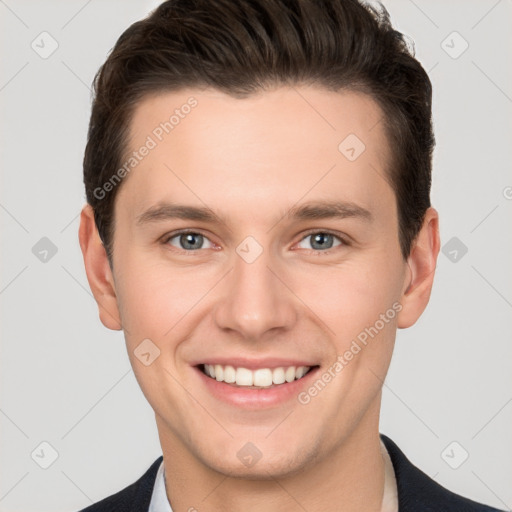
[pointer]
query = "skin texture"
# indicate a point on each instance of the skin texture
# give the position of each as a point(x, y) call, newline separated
point(249, 161)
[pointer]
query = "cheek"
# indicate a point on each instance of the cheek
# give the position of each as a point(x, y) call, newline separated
point(153, 298)
point(351, 298)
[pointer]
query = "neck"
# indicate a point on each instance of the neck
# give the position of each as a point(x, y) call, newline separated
point(349, 478)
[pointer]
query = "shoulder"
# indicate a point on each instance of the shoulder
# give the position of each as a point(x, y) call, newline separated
point(417, 492)
point(135, 497)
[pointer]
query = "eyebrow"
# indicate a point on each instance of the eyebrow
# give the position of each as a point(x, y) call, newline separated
point(310, 211)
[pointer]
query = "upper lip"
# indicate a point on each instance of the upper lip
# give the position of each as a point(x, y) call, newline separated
point(254, 364)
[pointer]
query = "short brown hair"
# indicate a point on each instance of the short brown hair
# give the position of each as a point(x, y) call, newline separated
point(244, 46)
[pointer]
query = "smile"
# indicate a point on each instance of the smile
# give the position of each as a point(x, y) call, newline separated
point(258, 378)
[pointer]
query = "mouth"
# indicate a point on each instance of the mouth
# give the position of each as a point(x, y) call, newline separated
point(260, 378)
point(257, 387)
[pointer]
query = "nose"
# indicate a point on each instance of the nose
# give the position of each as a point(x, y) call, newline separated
point(255, 300)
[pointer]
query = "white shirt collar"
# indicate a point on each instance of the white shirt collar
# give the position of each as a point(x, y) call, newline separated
point(390, 498)
point(160, 503)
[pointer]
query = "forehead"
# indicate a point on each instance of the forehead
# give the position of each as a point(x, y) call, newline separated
point(261, 153)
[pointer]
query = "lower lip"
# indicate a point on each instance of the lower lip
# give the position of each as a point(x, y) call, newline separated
point(252, 398)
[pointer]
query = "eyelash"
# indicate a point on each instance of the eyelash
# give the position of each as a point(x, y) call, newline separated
point(342, 239)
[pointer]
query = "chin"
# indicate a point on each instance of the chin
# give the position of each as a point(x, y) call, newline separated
point(263, 461)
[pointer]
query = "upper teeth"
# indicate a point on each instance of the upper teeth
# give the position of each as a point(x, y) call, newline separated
point(261, 377)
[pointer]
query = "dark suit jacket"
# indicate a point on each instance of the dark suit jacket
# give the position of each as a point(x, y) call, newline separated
point(416, 491)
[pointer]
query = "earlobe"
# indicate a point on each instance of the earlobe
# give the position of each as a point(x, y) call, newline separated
point(420, 271)
point(98, 270)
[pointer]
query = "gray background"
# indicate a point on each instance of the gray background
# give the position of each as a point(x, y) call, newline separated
point(67, 381)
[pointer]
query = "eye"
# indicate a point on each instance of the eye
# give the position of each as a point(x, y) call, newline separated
point(188, 241)
point(322, 241)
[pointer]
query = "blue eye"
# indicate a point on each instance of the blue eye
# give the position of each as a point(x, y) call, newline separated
point(322, 241)
point(189, 241)
point(318, 241)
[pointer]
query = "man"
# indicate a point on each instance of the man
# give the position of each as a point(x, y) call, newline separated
point(259, 225)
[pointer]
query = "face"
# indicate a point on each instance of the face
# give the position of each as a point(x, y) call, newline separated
point(255, 241)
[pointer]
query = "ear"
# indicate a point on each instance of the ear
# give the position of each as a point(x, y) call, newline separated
point(97, 268)
point(421, 265)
